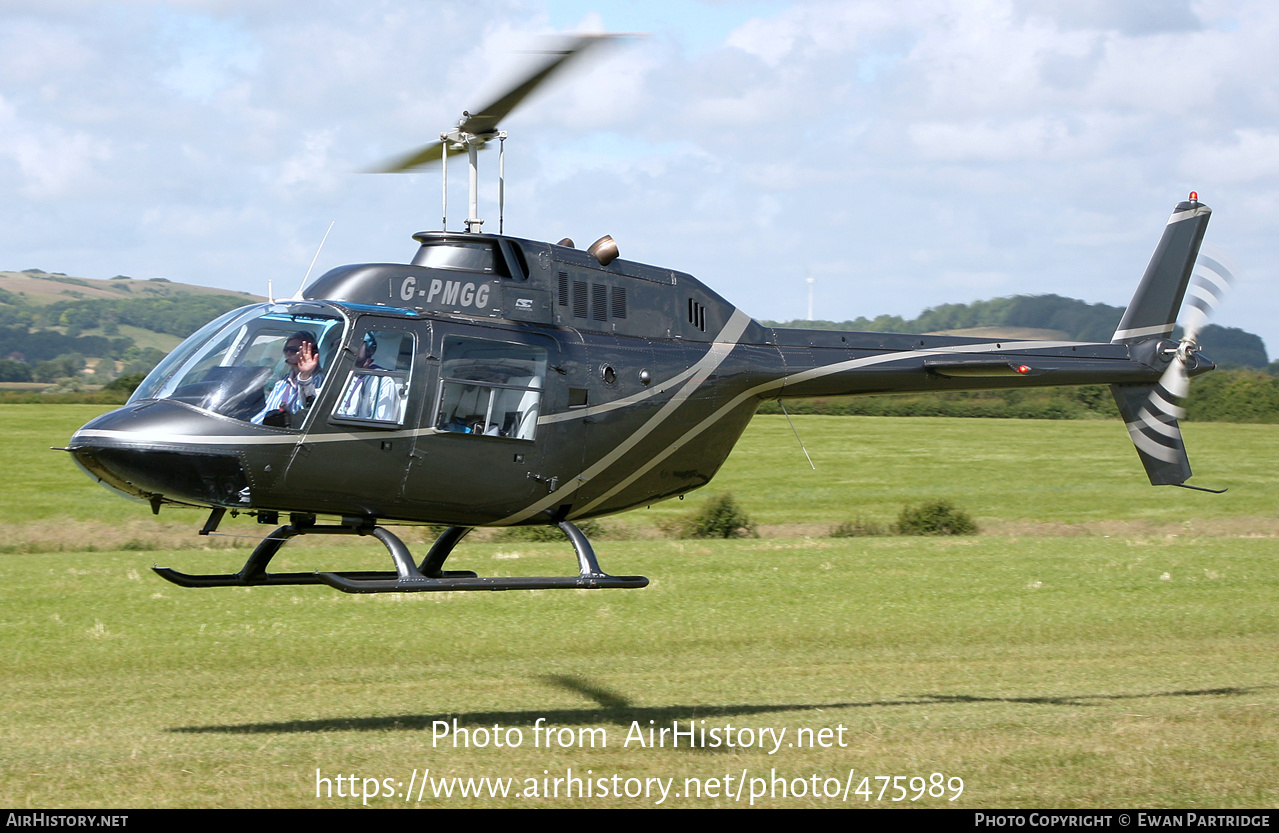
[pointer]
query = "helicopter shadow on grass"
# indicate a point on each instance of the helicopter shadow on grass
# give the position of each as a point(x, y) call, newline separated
point(615, 709)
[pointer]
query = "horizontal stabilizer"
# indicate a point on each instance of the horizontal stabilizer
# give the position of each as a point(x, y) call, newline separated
point(1150, 414)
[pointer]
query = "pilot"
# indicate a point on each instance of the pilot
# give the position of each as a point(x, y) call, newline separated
point(296, 391)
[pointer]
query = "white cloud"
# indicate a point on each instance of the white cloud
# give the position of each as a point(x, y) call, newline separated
point(1247, 155)
point(938, 150)
point(51, 161)
point(310, 167)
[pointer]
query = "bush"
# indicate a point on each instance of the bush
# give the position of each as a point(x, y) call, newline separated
point(64, 386)
point(125, 384)
point(719, 518)
point(548, 533)
point(66, 366)
point(938, 517)
point(858, 528)
point(14, 371)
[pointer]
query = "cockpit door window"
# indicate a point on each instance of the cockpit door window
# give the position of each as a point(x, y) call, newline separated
point(376, 390)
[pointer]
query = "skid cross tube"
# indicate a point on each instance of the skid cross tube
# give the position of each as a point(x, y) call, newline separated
point(408, 577)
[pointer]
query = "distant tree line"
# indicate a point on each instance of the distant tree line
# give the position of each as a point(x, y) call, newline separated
point(1229, 395)
point(179, 316)
point(41, 345)
point(1245, 389)
point(1080, 321)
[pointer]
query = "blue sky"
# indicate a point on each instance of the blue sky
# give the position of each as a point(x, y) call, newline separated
point(904, 155)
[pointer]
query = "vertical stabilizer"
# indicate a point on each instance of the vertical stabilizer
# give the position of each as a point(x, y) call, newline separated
point(1153, 310)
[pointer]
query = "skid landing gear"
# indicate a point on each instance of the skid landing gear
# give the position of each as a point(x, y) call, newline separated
point(408, 576)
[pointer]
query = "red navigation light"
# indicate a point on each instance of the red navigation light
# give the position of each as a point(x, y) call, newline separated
point(1194, 196)
point(1023, 368)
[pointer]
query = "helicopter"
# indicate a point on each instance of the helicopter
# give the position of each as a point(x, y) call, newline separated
point(499, 381)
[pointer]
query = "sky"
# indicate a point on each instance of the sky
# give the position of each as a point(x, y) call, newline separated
point(903, 155)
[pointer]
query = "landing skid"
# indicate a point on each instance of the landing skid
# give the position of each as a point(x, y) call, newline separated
point(407, 577)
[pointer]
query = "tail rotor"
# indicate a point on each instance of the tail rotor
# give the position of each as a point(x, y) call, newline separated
point(1176, 272)
point(1211, 280)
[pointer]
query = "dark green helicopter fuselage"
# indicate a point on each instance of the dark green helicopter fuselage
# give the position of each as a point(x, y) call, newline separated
point(645, 380)
point(496, 381)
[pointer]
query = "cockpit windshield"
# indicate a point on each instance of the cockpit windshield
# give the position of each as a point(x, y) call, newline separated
point(262, 364)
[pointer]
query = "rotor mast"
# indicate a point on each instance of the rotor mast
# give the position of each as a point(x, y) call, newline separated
point(458, 140)
point(475, 130)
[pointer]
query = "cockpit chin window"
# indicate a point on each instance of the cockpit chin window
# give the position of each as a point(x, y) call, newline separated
point(256, 364)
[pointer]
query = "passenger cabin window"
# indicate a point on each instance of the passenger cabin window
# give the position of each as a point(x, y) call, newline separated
point(377, 388)
point(490, 388)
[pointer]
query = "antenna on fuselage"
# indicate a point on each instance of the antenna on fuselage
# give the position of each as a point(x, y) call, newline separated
point(297, 296)
point(475, 130)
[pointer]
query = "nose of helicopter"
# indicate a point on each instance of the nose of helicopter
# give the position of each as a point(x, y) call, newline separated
point(159, 451)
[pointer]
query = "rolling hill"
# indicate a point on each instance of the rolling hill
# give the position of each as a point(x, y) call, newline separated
point(54, 326)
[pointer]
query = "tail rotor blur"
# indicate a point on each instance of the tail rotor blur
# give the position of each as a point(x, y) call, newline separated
point(1176, 272)
point(1211, 280)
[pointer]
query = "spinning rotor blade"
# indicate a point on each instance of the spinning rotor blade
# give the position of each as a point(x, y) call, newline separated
point(1210, 282)
point(485, 120)
point(430, 153)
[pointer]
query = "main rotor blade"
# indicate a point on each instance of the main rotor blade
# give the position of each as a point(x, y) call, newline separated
point(430, 153)
point(486, 118)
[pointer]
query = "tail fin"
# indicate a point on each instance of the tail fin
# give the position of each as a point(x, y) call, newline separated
point(1153, 309)
point(1151, 411)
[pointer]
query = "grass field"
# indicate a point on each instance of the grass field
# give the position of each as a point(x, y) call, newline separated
point(1101, 644)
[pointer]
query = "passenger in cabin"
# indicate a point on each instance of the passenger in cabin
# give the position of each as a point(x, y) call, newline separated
point(368, 347)
point(369, 396)
point(297, 390)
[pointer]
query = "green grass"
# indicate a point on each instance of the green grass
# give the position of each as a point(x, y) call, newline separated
point(1054, 672)
point(1134, 670)
point(1059, 472)
point(40, 483)
point(1000, 471)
